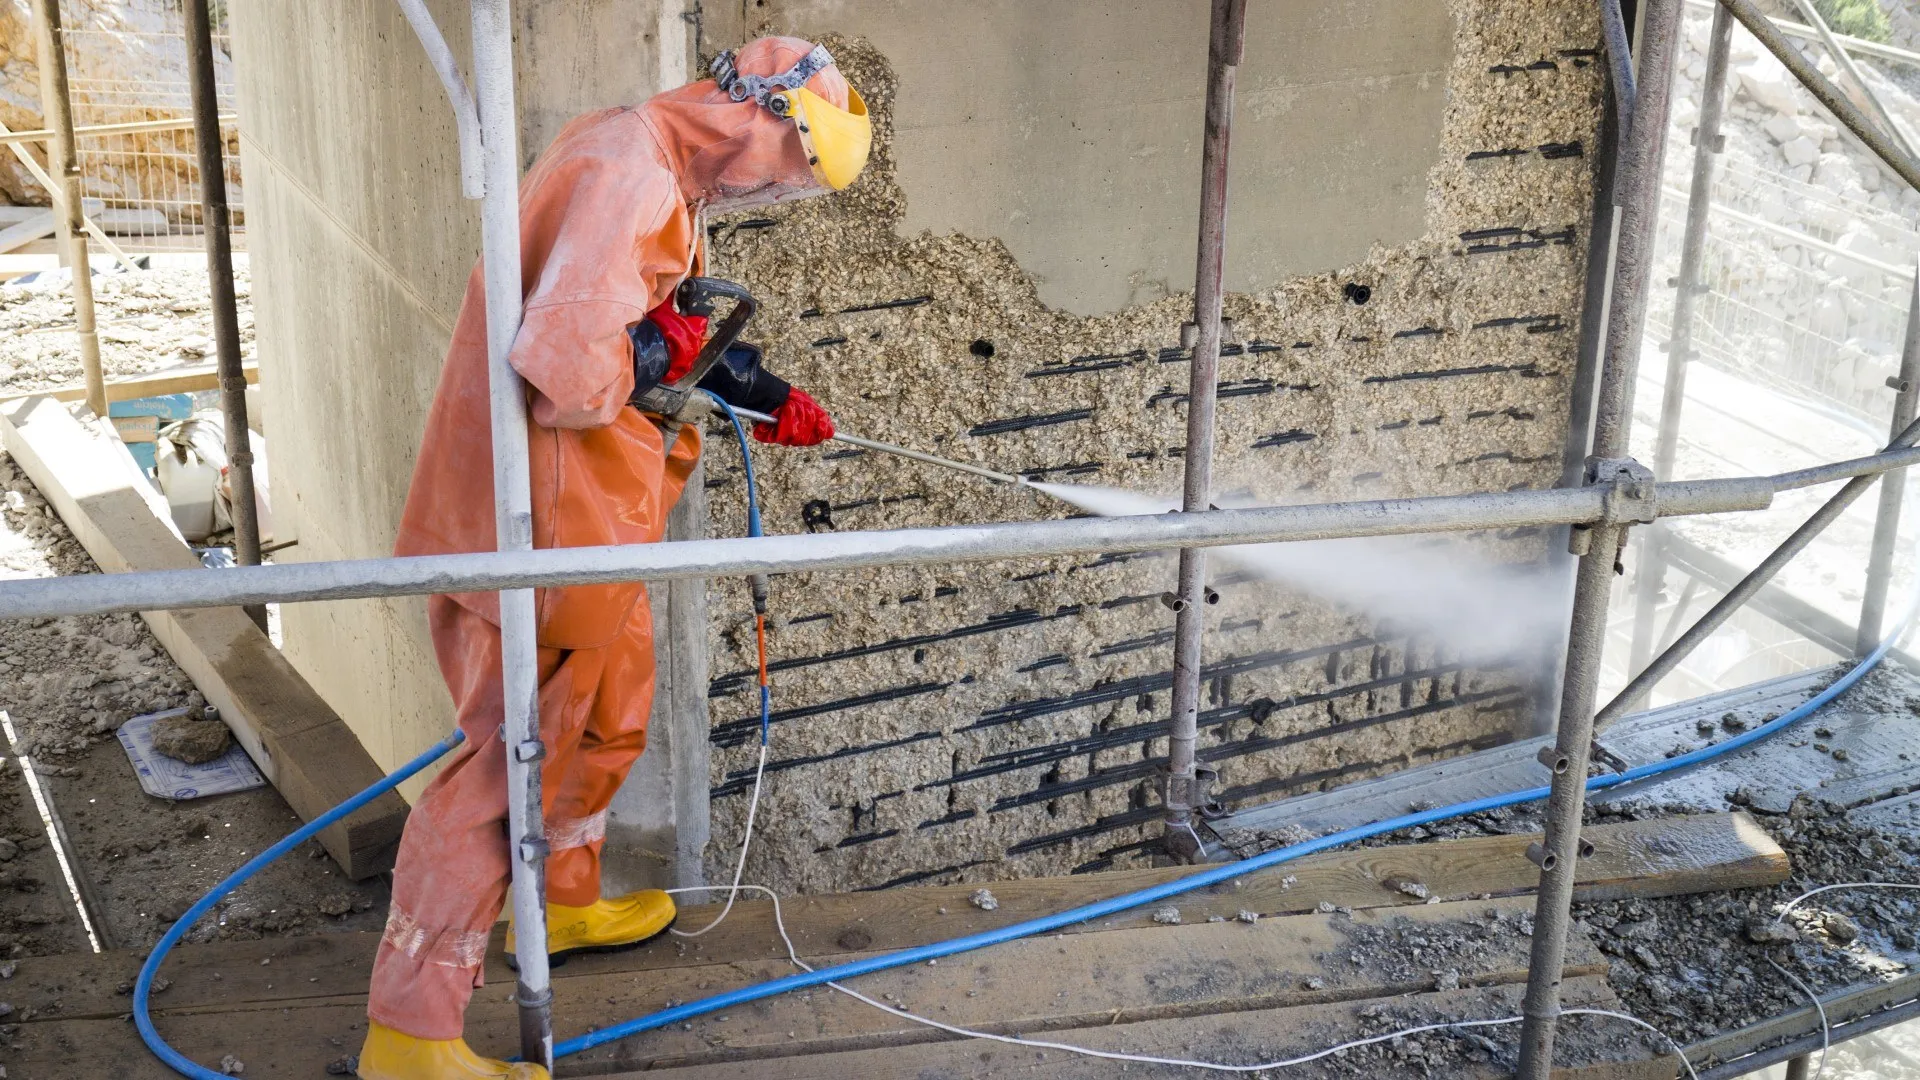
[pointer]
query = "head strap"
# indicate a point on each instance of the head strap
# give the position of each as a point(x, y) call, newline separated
point(740, 86)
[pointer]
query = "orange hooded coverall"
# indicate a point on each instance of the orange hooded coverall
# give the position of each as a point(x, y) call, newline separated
point(609, 220)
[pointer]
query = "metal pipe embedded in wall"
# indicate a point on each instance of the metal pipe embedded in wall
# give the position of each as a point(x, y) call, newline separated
point(1184, 794)
point(1637, 196)
point(1706, 149)
point(63, 167)
point(216, 222)
point(1829, 95)
point(513, 518)
point(1670, 658)
point(1893, 487)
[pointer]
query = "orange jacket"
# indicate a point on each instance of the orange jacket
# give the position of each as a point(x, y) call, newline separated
point(608, 229)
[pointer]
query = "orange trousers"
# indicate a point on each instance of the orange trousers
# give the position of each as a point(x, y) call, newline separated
point(453, 870)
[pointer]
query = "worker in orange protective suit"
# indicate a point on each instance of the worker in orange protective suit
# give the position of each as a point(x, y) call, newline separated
point(610, 220)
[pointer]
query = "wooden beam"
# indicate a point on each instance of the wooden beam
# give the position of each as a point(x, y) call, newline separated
point(1241, 1038)
point(131, 127)
point(299, 742)
point(26, 231)
point(185, 380)
point(1035, 985)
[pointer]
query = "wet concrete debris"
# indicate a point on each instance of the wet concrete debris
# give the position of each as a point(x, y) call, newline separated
point(1840, 929)
point(232, 1066)
point(194, 738)
point(1762, 930)
point(1246, 916)
point(984, 899)
point(1167, 916)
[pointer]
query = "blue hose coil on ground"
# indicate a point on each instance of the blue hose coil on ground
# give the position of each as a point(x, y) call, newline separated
point(143, 986)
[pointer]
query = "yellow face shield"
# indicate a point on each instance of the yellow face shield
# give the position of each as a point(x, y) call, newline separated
point(837, 140)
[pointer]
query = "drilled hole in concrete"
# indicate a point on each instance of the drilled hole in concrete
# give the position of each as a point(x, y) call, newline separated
point(1357, 292)
point(981, 348)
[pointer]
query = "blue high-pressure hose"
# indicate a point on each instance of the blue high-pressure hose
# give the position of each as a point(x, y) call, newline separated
point(143, 986)
point(1084, 913)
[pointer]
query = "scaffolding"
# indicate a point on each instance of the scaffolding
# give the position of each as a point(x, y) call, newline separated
point(1614, 494)
point(147, 181)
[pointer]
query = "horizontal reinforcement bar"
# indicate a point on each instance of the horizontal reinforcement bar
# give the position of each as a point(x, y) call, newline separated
point(94, 594)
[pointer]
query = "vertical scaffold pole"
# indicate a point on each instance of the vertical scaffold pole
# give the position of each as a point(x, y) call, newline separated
point(1651, 579)
point(1893, 486)
point(1638, 197)
point(217, 223)
point(1184, 795)
point(63, 167)
point(513, 513)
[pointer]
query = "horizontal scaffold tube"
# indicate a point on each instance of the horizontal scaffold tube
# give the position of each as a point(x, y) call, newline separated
point(158, 590)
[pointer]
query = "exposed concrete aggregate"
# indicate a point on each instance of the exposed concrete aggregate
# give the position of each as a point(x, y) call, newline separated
point(995, 721)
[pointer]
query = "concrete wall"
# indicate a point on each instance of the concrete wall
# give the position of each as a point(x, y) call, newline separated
point(1005, 284)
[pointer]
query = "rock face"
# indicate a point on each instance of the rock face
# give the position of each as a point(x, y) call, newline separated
point(1786, 307)
point(112, 44)
point(191, 738)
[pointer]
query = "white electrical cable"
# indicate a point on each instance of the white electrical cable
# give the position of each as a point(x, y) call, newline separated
point(1826, 1027)
point(739, 868)
point(44, 805)
point(793, 955)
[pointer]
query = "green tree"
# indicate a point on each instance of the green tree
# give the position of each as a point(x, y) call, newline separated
point(1858, 18)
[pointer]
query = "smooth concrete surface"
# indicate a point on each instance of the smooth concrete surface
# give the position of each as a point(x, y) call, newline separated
point(1072, 132)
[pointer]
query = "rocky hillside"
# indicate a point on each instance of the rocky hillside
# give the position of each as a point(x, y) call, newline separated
point(126, 60)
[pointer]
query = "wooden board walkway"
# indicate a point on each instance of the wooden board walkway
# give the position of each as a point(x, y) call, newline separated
point(1298, 976)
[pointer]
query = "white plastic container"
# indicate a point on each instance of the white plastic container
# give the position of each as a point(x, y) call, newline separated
point(189, 487)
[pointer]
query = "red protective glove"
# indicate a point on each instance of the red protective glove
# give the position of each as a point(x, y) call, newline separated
point(684, 333)
point(800, 422)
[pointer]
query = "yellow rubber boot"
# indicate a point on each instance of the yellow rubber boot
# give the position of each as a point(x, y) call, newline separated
point(605, 925)
point(392, 1055)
